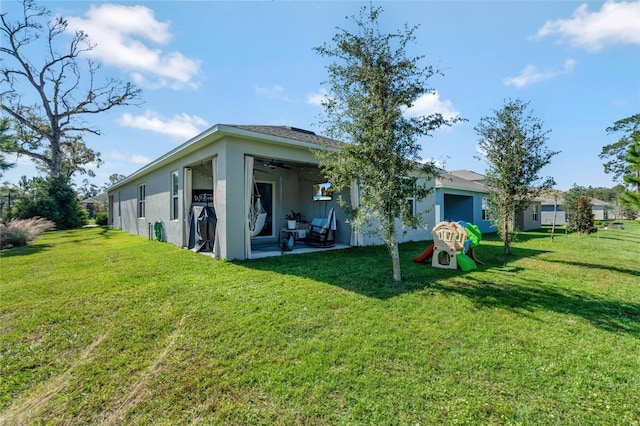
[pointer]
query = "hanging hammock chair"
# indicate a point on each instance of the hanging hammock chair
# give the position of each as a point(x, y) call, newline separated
point(257, 213)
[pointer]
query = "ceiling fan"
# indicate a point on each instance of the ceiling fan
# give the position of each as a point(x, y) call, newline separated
point(273, 164)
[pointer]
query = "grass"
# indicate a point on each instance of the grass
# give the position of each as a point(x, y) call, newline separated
point(101, 327)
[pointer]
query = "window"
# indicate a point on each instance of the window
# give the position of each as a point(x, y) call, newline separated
point(174, 195)
point(411, 202)
point(485, 214)
point(141, 200)
point(535, 213)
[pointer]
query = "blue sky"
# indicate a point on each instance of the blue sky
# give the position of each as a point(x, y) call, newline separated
point(200, 63)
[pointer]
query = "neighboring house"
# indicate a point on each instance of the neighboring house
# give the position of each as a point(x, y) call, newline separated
point(460, 195)
point(95, 205)
point(531, 217)
point(551, 209)
point(599, 208)
point(222, 168)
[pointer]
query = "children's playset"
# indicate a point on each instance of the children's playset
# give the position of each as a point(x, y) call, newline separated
point(453, 244)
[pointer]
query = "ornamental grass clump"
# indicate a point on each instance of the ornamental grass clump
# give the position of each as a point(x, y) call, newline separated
point(20, 232)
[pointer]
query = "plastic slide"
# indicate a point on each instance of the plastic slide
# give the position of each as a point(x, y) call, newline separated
point(473, 234)
point(465, 262)
point(426, 255)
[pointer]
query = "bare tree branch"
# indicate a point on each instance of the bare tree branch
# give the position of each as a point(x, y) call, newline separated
point(66, 91)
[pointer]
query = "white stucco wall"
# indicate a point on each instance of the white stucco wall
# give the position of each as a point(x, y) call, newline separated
point(229, 192)
point(426, 208)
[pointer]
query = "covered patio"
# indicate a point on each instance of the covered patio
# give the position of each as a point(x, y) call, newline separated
point(260, 250)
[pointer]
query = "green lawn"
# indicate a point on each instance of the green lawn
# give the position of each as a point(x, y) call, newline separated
point(101, 327)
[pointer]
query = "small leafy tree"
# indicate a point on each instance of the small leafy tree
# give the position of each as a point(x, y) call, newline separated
point(512, 144)
point(570, 202)
point(583, 218)
point(54, 199)
point(372, 84)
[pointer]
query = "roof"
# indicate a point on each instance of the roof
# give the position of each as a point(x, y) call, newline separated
point(468, 175)
point(275, 134)
point(289, 132)
point(594, 201)
point(449, 180)
point(100, 198)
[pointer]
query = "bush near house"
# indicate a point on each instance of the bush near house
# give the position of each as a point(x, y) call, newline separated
point(102, 219)
point(20, 232)
point(52, 198)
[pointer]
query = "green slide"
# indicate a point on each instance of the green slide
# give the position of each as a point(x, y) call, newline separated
point(465, 262)
point(473, 234)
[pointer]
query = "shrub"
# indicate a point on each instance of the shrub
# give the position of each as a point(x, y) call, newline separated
point(20, 232)
point(53, 198)
point(102, 219)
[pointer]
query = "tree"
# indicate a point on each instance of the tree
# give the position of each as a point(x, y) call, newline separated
point(113, 179)
point(7, 144)
point(629, 213)
point(87, 190)
point(50, 131)
point(372, 83)
point(615, 153)
point(555, 195)
point(582, 219)
point(512, 143)
point(570, 203)
point(632, 178)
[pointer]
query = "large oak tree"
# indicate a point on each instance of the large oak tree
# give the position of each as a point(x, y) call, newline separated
point(50, 97)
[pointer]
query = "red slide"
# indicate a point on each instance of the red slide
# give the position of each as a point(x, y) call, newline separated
point(426, 255)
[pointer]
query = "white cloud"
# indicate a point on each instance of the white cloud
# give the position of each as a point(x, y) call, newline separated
point(122, 34)
point(431, 103)
point(614, 23)
point(129, 158)
point(441, 164)
point(276, 91)
point(180, 126)
point(530, 74)
point(317, 97)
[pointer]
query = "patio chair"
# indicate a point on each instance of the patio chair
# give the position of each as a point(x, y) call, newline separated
point(322, 231)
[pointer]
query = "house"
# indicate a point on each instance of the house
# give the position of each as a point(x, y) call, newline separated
point(600, 209)
point(96, 204)
point(551, 208)
point(461, 195)
point(223, 170)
